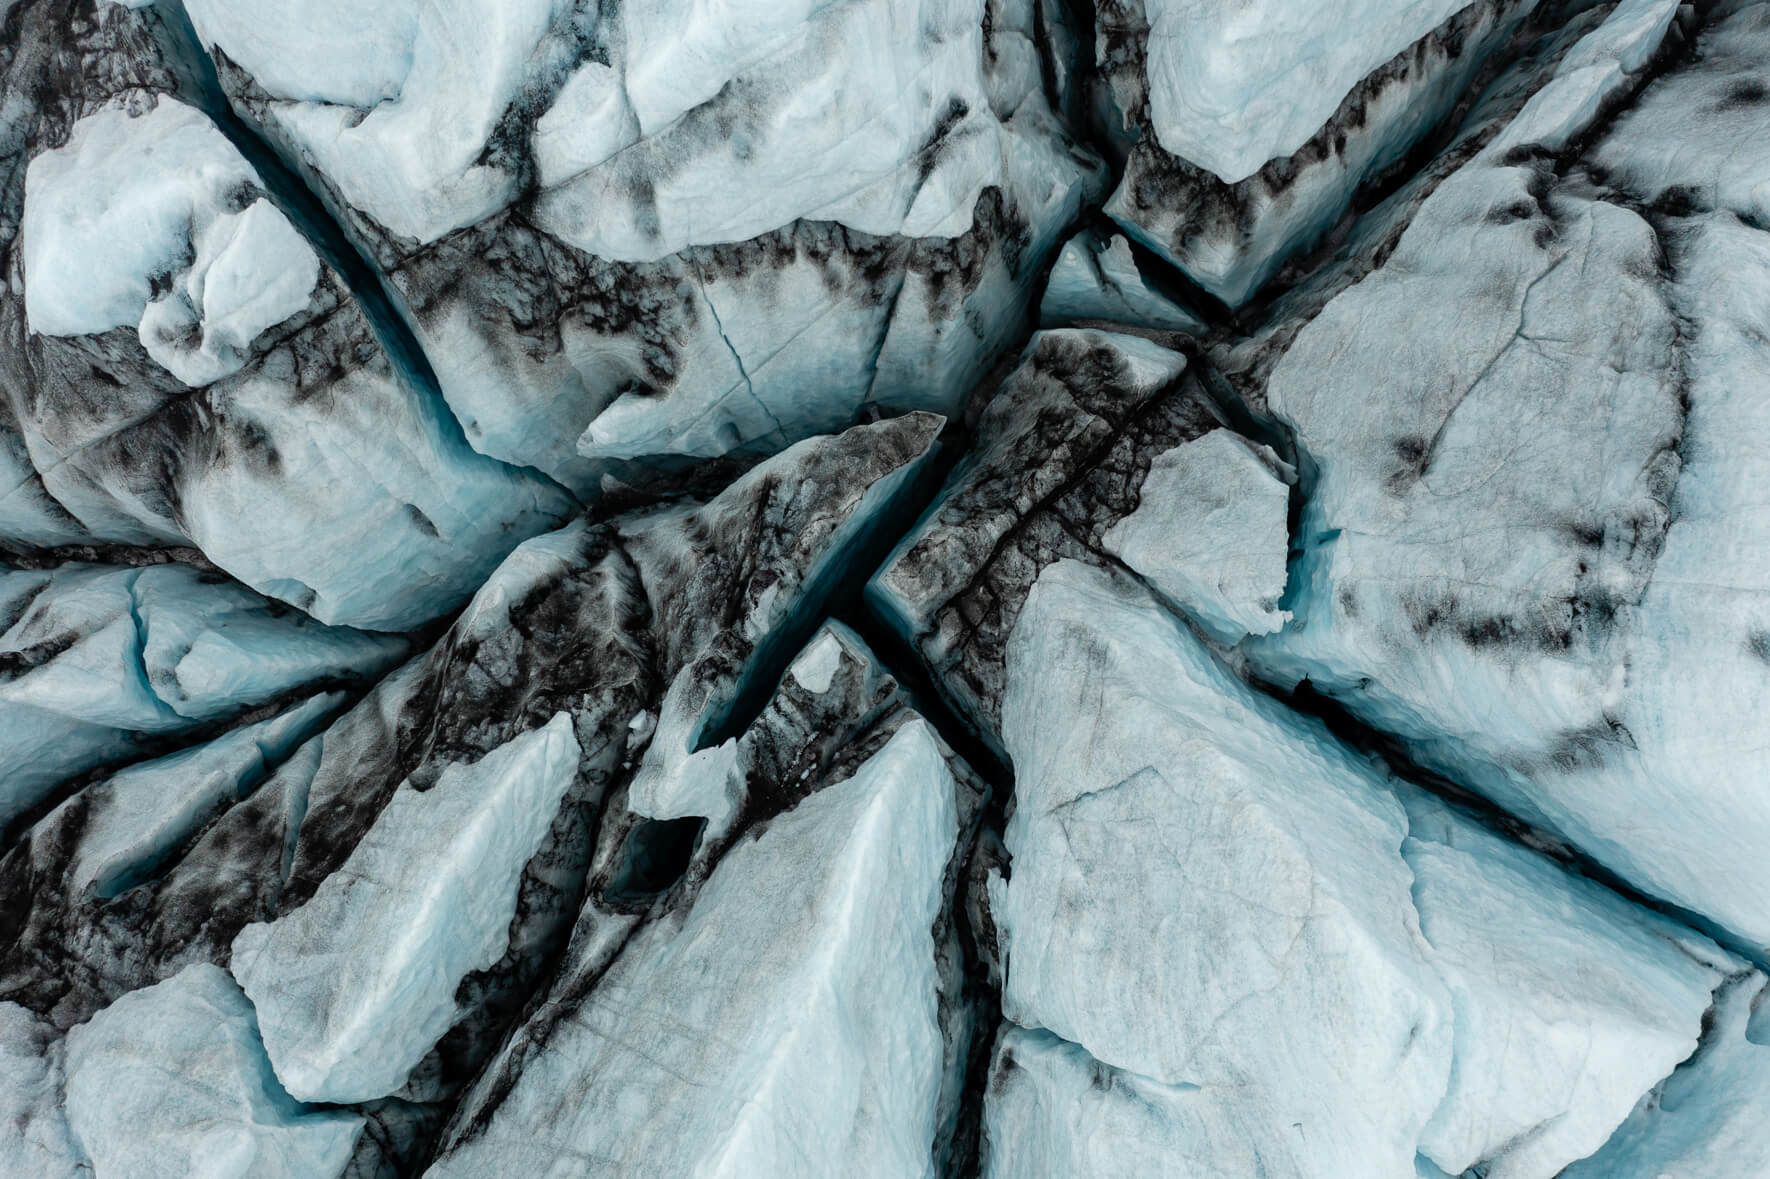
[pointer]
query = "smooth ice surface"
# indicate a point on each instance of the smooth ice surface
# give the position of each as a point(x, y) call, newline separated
point(354, 987)
point(1210, 893)
point(171, 1082)
point(1211, 533)
point(1232, 86)
point(110, 656)
point(787, 1026)
point(131, 201)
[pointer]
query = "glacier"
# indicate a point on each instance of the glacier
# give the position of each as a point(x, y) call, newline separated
point(930, 589)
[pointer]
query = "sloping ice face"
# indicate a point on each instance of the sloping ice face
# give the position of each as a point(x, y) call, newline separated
point(895, 588)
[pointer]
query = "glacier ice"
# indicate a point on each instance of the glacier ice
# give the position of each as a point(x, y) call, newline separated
point(1211, 533)
point(354, 987)
point(1231, 89)
point(1704, 1119)
point(897, 587)
point(34, 1139)
point(102, 662)
point(172, 1080)
point(745, 237)
point(131, 822)
point(786, 1026)
point(1541, 611)
point(1323, 972)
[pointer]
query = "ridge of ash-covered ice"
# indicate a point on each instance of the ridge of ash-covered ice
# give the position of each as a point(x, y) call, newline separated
point(1247, 129)
point(621, 233)
point(181, 368)
point(795, 1004)
point(101, 664)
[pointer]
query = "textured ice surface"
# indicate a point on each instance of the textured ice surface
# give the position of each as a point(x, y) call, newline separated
point(101, 661)
point(483, 652)
point(787, 1026)
point(131, 203)
point(355, 986)
point(805, 510)
point(180, 368)
point(1211, 534)
point(34, 1138)
point(172, 1081)
point(1316, 978)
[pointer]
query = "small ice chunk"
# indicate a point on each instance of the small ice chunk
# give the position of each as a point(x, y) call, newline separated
point(1210, 533)
point(152, 220)
point(816, 665)
point(1099, 279)
point(356, 986)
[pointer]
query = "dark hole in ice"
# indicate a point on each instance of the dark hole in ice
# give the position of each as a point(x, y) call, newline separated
point(656, 855)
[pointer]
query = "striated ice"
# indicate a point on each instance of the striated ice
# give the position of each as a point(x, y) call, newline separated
point(786, 1026)
point(1251, 129)
point(355, 986)
point(742, 228)
point(483, 652)
point(1180, 911)
point(1307, 965)
point(402, 127)
point(138, 817)
point(107, 658)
